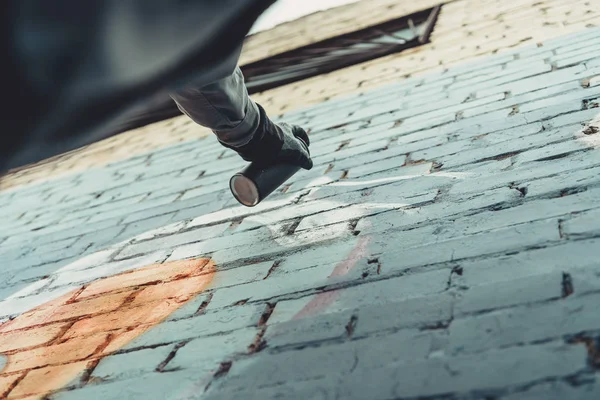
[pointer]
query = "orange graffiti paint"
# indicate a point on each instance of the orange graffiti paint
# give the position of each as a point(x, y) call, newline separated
point(53, 344)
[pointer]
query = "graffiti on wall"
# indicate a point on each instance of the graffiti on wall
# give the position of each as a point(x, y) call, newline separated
point(56, 343)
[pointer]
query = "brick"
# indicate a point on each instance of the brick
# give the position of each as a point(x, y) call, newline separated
point(305, 279)
point(416, 124)
point(289, 212)
point(502, 240)
point(568, 42)
point(48, 379)
point(494, 369)
point(173, 240)
point(545, 80)
point(241, 275)
point(67, 352)
point(126, 317)
point(70, 229)
point(595, 81)
point(523, 324)
point(285, 244)
point(115, 267)
point(313, 363)
point(22, 289)
point(208, 192)
point(48, 261)
point(300, 332)
point(529, 76)
point(16, 306)
point(318, 388)
point(530, 211)
point(274, 369)
point(394, 163)
point(498, 76)
point(101, 239)
point(238, 212)
point(441, 109)
point(559, 99)
point(300, 186)
point(205, 354)
point(397, 219)
point(371, 318)
point(162, 231)
point(190, 308)
point(331, 255)
point(222, 243)
point(351, 151)
point(579, 117)
point(225, 320)
point(508, 293)
point(531, 263)
point(131, 365)
point(489, 136)
point(103, 211)
point(584, 177)
point(145, 225)
point(172, 207)
point(360, 136)
point(505, 147)
point(444, 149)
point(17, 340)
point(90, 261)
point(150, 307)
point(392, 290)
point(385, 201)
point(56, 245)
point(532, 172)
point(180, 290)
point(584, 224)
point(387, 183)
point(416, 313)
point(39, 273)
point(576, 57)
point(556, 391)
point(154, 386)
point(148, 274)
point(7, 382)
point(70, 310)
point(412, 141)
point(570, 87)
point(363, 295)
point(553, 150)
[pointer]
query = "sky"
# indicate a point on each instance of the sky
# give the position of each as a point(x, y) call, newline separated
point(288, 10)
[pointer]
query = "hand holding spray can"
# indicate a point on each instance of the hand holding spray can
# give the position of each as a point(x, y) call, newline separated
point(255, 182)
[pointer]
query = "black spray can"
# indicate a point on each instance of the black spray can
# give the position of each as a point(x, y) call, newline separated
point(254, 183)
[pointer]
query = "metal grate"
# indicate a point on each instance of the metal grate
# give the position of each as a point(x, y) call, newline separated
point(341, 51)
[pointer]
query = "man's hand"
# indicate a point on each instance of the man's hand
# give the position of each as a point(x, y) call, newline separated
point(295, 147)
point(276, 143)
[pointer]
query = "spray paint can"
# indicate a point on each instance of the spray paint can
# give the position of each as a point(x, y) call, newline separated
point(255, 182)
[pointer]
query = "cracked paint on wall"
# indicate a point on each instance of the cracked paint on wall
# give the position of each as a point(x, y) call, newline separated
point(56, 344)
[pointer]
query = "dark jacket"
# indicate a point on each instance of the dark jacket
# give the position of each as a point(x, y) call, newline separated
point(72, 67)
